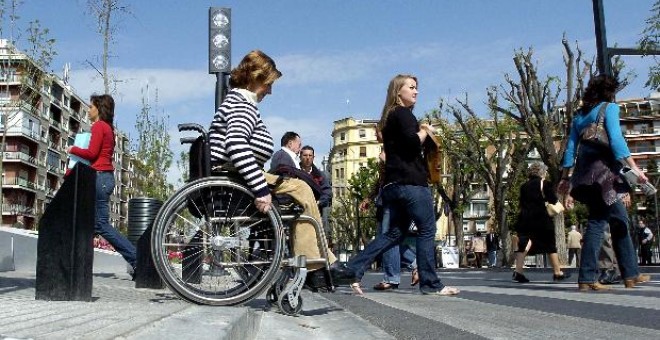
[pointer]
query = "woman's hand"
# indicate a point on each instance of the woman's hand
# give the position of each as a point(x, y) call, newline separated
point(263, 203)
point(428, 127)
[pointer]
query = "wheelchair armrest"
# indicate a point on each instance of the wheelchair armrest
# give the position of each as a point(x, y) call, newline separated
point(188, 140)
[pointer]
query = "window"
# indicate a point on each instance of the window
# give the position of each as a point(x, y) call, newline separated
point(363, 133)
point(342, 136)
point(341, 173)
point(363, 151)
point(337, 173)
point(481, 225)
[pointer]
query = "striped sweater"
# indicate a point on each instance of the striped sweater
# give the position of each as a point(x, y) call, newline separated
point(240, 140)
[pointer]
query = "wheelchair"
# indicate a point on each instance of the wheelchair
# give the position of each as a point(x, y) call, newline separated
point(211, 246)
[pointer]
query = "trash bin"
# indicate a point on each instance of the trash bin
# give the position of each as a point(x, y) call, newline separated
point(141, 214)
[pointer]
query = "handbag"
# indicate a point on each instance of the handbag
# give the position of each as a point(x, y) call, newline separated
point(552, 209)
point(595, 133)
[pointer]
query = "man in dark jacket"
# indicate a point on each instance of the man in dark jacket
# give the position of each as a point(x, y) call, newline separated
point(322, 179)
point(492, 246)
point(288, 154)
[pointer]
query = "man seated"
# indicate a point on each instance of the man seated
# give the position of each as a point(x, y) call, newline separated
point(288, 154)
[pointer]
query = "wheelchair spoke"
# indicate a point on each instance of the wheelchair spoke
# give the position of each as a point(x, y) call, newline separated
point(210, 245)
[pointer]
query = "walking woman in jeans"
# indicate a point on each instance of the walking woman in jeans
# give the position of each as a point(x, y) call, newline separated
point(596, 183)
point(405, 190)
point(99, 154)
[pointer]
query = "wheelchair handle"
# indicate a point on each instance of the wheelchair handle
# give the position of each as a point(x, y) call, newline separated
point(192, 127)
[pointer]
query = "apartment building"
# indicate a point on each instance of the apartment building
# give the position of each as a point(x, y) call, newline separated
point(353, 144)
point(640, 123)
point(40, 114)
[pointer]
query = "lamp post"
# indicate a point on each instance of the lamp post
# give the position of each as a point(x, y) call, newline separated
point(219, 49)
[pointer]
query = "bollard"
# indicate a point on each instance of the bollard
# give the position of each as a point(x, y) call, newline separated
point(65, 255)
point(141, 214)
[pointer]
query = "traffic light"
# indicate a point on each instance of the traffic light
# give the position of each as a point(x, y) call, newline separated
point(219, 40)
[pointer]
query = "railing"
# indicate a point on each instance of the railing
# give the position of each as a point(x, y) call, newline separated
point(17, 209)
point(22, 182)
point(10, 155)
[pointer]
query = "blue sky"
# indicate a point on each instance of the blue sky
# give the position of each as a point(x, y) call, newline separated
point(336, 56)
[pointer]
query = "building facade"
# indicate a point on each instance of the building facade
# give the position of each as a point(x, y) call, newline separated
point(353, 144)
point(40, 115)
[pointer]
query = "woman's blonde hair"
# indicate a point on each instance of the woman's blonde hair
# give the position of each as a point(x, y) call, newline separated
point(256, 68)
point(392, 98)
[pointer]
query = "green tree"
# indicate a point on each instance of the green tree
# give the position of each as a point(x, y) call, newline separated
point(344, 214)
point(152, 150)
point(650, 41)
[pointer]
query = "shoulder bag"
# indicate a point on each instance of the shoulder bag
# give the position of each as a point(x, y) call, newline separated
point(552, 209)
point(595, 133)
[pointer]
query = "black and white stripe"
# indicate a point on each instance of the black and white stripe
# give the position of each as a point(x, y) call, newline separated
point(239, 138)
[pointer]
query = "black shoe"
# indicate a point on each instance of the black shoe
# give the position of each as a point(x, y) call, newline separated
point(341, 274)
point(133, 274)
point(386, 286)
point(315, 280)
point(561, 277)
point(603, 275)
point(520, 278)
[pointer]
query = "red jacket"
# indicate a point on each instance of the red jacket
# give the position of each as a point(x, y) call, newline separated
point(100, 149)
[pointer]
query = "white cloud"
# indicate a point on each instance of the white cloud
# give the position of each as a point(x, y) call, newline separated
point(174, 85)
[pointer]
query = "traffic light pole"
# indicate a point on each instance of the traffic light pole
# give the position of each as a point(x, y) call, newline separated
point(220, 88)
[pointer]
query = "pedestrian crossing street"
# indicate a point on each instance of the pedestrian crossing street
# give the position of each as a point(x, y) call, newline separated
point(491, 306)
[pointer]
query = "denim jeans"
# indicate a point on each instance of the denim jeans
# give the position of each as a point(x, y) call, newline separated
point(600, 215)
point(405, 203)
point(492, 258)
point(391, 258)
point(105, 184)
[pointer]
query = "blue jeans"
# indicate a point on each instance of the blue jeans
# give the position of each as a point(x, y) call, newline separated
point(492, 258)
point(105, 184)
point(393, 257)
point(599, 216)
point(405, 203)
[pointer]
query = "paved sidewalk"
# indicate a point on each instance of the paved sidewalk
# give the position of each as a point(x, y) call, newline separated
point(118, 310)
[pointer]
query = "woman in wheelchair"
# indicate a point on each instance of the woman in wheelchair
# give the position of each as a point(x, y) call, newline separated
point(240, 141)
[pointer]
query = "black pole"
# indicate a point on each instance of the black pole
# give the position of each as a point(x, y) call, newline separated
point(220, 88)
point(357, 211)
point(603, 61)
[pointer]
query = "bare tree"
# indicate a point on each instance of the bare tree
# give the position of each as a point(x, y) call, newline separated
point(108, 14)
point(533, 103)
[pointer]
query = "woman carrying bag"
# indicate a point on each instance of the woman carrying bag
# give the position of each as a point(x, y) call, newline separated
point(596, 181)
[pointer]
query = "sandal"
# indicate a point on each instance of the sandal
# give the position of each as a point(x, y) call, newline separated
point(415, 278)
point(446, 291)
point(357, 288)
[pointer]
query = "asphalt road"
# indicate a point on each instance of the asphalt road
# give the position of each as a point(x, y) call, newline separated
point(491, 306)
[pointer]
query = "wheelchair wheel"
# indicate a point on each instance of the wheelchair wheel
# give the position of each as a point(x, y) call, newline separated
point(211, 246)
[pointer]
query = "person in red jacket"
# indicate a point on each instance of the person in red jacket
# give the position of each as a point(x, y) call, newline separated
point(99, 154)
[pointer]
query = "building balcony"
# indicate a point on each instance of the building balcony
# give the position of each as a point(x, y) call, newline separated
point(22, 131)
point(19, 182)
point(17, 209)
point(20, 156)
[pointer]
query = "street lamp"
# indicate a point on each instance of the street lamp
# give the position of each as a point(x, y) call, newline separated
point(219, 48)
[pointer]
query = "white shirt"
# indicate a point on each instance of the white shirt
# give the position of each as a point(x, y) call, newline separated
point(293, 155)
